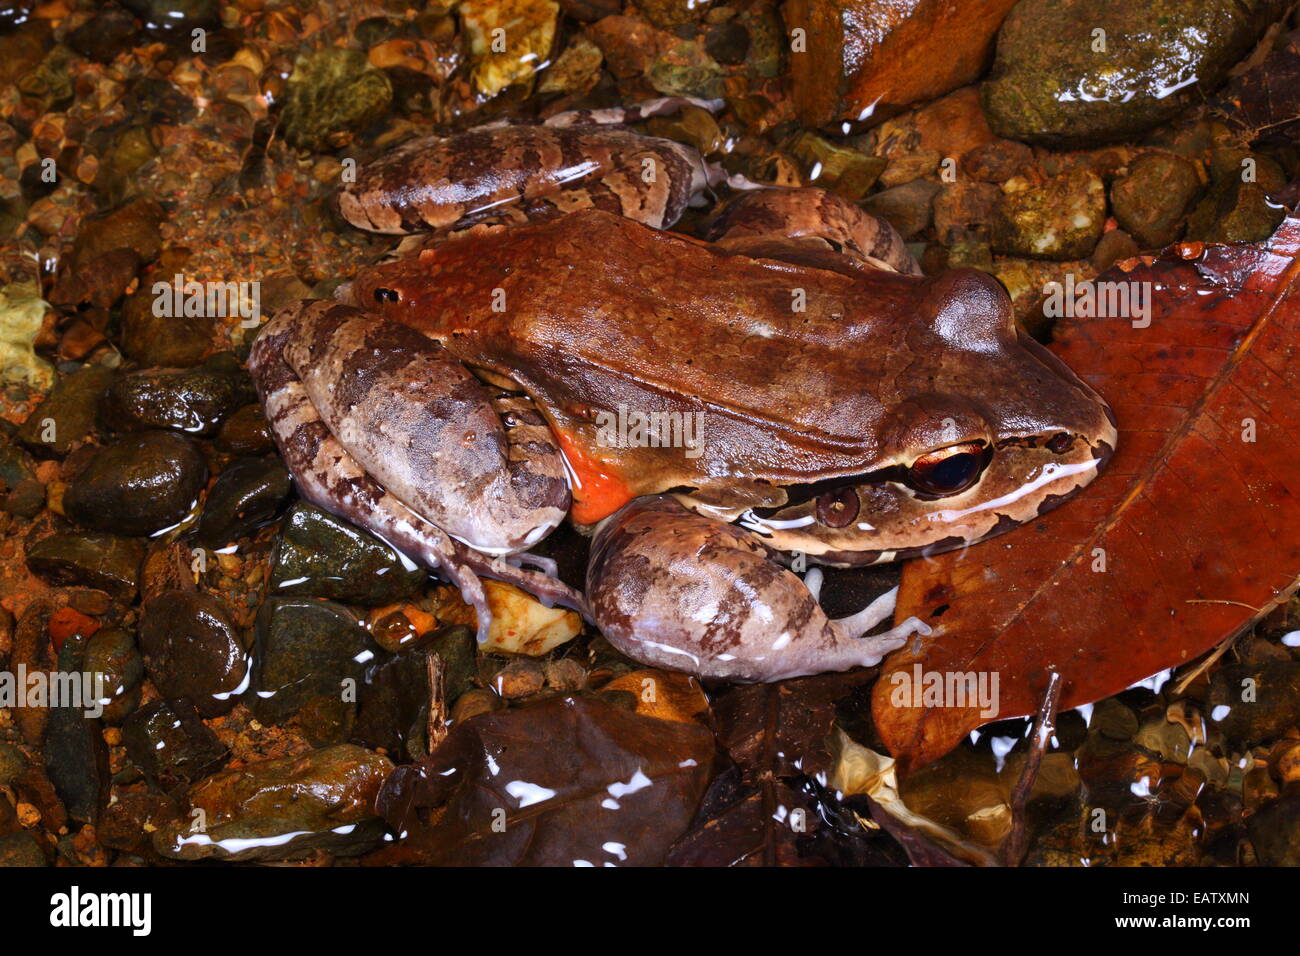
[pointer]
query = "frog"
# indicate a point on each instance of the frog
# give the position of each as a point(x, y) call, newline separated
point(782, 391)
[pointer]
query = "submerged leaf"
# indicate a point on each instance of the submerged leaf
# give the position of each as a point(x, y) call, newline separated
point(571, 781)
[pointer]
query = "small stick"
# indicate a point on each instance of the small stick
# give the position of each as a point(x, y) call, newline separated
point(436, 729)
point(1013, 850)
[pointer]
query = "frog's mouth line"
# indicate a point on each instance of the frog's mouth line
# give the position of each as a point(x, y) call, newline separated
point(898, 474)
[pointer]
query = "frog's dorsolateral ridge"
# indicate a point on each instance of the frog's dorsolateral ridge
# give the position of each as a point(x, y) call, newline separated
point(794, 385)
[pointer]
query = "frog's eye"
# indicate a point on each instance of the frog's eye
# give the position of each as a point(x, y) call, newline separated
point(947, 470)
point(387, 295)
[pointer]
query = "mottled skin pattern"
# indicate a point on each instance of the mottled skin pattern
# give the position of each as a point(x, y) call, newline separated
point(330, 477)
point(831, 377)
point(655, 564)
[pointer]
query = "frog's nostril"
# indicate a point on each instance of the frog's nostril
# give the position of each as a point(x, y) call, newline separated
point(837, 508)
point(387, 295)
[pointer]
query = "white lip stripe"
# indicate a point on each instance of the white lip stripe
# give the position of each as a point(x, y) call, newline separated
point(1051, 472)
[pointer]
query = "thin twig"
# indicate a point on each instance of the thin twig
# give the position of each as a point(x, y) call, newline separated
point(1013, 849)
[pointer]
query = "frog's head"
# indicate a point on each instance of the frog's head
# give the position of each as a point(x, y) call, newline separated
point(981, 431)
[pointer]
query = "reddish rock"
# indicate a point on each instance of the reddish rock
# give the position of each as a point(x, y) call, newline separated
point(873, 59)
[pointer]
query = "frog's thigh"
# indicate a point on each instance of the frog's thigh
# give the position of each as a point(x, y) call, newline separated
point(763, 223)
point(677, 590)
point(429, 432)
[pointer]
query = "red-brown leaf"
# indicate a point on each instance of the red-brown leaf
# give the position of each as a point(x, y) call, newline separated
point(1200, 529)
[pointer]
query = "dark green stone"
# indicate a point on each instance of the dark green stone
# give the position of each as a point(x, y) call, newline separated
point(104, 561)
point(325, 556)
point(246, 495)
point(311, 658)
point(140, 485)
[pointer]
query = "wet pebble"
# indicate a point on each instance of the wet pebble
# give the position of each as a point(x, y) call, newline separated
point(324, 556)
point(134, 226)
point(908, 208)
point(282, 809)
point(21, 849)
point(68, 413)
point(1250, 704)
point(131, 816)
point(108, 562)
point(246, 432)
point(26, 499)
point(192, 650)
point(111, 652)
point(105, 35)
point(310, 660)
point(137, 486)
point(1061, 219)
point(76, 757)
point(1051, 87)
point(162, 341)
point(195, 401)
point(1275, 831)
point(332, 94)
point(1151, 199)
point(246, 495)
point(171, 744)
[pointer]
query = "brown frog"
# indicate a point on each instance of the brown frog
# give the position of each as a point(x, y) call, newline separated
point(790, 385)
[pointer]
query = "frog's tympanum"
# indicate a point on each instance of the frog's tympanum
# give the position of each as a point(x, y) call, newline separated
point(791, 385)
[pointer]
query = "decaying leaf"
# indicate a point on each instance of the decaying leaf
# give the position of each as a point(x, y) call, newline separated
point(1264, 101)
point(1190, 534)
point(571, 781)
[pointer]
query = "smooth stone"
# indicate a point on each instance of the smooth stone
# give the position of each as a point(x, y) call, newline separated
point(324, 556)
point(908, 208)
point(866, 60)
point(283, 809)
point(1061, 219)
point(246, 432)
point(331, 93)
point(21, 849)
point(134, 225)
point(246, 495)
point(310, 660)
point(1049, 85)
point(1151, 199)
point(104, 561)
point(1275, 831)
point(192, 650)
point(105, 35)
point(161, 340)
point(68, 414)
point(195, 401)
point(111, 651)
point(76, 757)
point(16, 466)
point(171, 744)
point(26, 499)
point(137, 486)
point(1273, 704)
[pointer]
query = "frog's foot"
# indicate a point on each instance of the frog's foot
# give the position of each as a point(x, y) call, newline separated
point(329, 475)
point(809, 226)
point(622, 115)
point(676, 590)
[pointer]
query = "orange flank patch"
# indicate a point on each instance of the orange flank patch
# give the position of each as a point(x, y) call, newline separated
point(598, 492)
point(67, 621)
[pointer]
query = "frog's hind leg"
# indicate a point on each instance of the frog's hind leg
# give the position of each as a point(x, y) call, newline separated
point(677, 590)
point(450, 183)
point(810, 226)
point(318, 455)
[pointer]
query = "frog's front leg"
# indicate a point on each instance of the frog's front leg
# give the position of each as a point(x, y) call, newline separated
point(380, 425)
point(677, 590)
